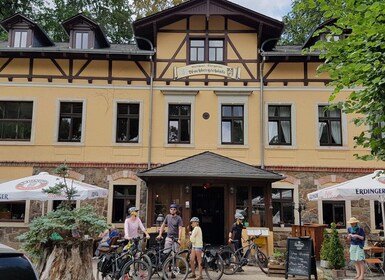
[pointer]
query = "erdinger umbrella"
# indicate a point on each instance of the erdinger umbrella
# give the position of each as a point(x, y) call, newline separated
point(31, 188)
point(368, 187)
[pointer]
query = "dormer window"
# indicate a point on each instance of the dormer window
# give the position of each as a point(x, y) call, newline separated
point(20, 39)
point(82, 40)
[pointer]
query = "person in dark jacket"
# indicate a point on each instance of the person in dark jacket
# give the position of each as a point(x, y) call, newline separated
point(356, 235)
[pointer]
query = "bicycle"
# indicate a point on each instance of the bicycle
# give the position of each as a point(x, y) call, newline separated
point(166, 262)
point(122, 265)
point(133, 246)
point(212, 262)
point(235, 260)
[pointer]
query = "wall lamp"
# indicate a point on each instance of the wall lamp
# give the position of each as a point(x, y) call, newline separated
point(231, 190)
point(187, 188)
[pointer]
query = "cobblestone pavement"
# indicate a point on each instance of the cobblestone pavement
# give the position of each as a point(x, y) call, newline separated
point(254, 273)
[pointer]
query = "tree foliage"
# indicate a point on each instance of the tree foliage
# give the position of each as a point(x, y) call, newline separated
point(144, 8)
point(300, 24)
point(357, 63)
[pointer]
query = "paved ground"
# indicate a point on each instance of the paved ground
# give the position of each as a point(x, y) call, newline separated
point(254, 273)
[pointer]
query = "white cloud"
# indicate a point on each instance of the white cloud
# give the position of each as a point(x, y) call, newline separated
point(272, 8)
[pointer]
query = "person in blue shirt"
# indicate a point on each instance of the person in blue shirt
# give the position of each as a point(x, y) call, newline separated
point(356, 235)
point(113, 232)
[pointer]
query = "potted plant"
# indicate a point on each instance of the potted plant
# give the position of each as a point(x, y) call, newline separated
point(336, 257)
point(325, 250)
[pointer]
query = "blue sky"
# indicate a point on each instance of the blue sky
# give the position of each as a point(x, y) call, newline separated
point(272, 8)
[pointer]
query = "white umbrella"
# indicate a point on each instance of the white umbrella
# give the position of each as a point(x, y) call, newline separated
point(31, 188)
point(368, 187)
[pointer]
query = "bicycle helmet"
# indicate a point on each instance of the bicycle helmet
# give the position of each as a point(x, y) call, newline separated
point(239, 216)
point(173, 206)
point(132, 209)
point(194, 219)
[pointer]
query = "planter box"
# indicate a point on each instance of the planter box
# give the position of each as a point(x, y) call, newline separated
point(338, 273)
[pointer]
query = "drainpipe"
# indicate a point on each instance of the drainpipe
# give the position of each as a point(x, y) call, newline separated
point(262, 127)
point(261, 97)
point(152, 71)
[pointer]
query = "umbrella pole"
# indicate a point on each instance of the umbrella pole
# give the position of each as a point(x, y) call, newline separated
point(42, 207)
point(383, 215)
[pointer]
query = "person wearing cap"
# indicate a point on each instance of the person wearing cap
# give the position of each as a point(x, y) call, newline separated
point(196, 240)
point(174, 228)
point(356, 235)
point(132, 224)
point(235, 235)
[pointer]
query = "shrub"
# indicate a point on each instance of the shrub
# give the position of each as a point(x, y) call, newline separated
point(336, 257)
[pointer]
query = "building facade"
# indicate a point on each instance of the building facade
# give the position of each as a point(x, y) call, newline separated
point(203, 110)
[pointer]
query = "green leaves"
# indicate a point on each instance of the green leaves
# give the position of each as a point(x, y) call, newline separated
point(357, 62)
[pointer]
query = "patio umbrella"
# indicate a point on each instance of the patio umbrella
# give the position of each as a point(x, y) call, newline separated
point(30, 188)
point(368, 187)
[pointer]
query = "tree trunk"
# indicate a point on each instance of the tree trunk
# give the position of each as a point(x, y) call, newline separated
point(69, 260)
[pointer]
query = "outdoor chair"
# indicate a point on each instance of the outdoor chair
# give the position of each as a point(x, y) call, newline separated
point(375, 259)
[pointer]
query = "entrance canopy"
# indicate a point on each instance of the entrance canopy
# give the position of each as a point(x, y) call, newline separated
point(211, 165)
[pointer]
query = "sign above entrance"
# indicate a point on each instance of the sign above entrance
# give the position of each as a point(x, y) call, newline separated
point(207, 69)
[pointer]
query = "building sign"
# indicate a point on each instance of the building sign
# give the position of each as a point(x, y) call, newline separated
point(207, 69)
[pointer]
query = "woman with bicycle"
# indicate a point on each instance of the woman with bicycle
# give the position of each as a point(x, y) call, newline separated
point(196, 240)
point(132, 224)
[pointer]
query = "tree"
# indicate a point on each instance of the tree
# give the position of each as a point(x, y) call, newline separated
point(144, 8)
point(11, 7)
point(113, 16)
point(336, 256)
point(300, 24)
point(56, 241)
point(356, 63)
point(325, 246)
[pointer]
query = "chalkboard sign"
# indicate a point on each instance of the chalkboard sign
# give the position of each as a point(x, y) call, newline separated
point(300, 259)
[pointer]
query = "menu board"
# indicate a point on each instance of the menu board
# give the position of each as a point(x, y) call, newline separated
point(300, 258)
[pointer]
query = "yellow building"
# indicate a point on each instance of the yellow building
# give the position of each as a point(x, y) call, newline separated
point(203, 110)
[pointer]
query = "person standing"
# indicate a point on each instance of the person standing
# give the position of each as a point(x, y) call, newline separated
point(356, 235)
point(174, 229)
point(196, 240)
point(132, 224)
point(235, 235)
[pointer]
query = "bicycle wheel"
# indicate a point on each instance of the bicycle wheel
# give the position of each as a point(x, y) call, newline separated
point(230, 261)
point(213, 265)
point(135, 270)
point(175, 268)
point(262, 261)
point(146, 259)
point(156, 266)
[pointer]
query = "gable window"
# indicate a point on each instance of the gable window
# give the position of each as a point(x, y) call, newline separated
point(124, 197)
point(15, 120)
point(82, 39)
point(127, 124)
point(179, 123)
point(70, 122)
point(329, 126)
point(20, 38)
point(232, 124)
point(283, 210)
point(279, 125)
point(334, 212)
point(206, 50)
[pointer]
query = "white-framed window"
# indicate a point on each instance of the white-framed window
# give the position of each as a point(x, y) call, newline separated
point(16, 119)
point(210, 50)
point(124, 192)
point(331, 129)
point(128, 122)
point(179, 118)
point(280, 124)
point(285, 200)
point(82, 40)
point(333, 211)
point(233, 123)
point(20, 39)
point(71, 121)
